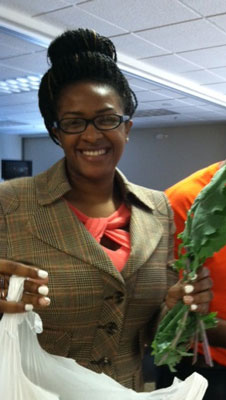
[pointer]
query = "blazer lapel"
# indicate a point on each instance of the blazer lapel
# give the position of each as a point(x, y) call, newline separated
point(145, 234)
point(56, 225)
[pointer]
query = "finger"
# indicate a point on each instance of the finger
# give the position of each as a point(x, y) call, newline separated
point(10, 267)
point(200, 286)
point(27, 303)
point(14, 307)
point(35, 300)
point(34, 286)
point(203, 308)
point(202, 273)
point(174, 294)
point(30, 286)
point(199, 302)
point(203, 297)
point(203, 285)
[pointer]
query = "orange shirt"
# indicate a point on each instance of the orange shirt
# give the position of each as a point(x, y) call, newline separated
point(181, 197)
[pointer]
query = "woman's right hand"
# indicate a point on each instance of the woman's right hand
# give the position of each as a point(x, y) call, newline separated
point(35, 287)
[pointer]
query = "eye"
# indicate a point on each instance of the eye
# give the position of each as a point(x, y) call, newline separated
point(107, 120)
point(68, 123)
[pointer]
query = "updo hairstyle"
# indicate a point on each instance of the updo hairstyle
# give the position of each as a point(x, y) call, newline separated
point(81, 55)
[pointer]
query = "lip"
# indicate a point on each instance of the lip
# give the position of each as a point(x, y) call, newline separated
point(93, 154)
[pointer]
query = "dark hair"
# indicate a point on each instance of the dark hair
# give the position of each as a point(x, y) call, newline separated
point(81, 55)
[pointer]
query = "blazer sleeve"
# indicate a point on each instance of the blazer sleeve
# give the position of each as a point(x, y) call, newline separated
point(171, 274)
point(3, 235)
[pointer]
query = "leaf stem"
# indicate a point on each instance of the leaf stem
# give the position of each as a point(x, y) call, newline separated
point(205, 344)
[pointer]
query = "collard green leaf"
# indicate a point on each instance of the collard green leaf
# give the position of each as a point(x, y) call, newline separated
point(204, 231)
point(203, 235)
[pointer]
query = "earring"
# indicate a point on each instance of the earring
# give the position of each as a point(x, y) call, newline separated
point(127, 139)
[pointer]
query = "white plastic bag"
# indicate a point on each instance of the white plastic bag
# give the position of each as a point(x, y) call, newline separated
point(27, 372)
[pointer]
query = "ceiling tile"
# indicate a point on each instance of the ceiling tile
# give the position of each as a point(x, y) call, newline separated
point(207, 58)
point(221, 72)
point(185, 36)
point(136, 15)
point(206, 7)
point(34, 7)
point(218, 87)
point(171, 63)
point(75, 17)
point(151, 96)
point(18, 99)
point(143, 84)
point(202, 77)
point(219, 21)
point(34, 64)
point(7, 52)
point(18, 109)
point(195, 101)
point(77, 1)
point(18, 44)
point(6, 72)
point(170, 93)
point(134, 46)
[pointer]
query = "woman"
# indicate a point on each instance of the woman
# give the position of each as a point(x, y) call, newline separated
point(106, 243)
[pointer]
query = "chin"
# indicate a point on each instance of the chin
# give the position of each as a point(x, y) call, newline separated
point(96, 175)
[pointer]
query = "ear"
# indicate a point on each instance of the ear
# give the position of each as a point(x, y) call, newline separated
point(128, 126)
point(56, 133)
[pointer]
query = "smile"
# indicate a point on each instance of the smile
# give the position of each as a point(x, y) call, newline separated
point(94, 153)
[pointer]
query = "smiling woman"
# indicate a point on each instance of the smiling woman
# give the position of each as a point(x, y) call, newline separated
point(92, 149)
point(106, 243)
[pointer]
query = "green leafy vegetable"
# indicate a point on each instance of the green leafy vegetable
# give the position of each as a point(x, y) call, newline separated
point(204, 234)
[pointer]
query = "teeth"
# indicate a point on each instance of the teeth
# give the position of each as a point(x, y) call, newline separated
point(93, 152)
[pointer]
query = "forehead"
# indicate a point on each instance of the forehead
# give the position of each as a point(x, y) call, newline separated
point(88, 95)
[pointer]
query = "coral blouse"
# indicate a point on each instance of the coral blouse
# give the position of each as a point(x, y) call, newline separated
point(112, 228)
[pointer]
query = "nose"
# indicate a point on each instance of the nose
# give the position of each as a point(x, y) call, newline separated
point(91, 133)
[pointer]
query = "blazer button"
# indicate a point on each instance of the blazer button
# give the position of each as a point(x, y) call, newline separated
point(102, 361)
point(118, 297)
point(106, 361)
point(111, 328)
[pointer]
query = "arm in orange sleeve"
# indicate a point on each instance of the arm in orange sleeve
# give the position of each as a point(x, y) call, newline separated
point(180, 205)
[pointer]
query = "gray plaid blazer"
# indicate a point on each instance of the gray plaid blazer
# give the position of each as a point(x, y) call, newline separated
point(98, 316)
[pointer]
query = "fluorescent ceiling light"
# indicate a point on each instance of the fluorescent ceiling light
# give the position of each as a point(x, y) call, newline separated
point(20, 84)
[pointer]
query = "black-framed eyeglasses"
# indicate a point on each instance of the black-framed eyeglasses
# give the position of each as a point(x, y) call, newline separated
point(105, 122)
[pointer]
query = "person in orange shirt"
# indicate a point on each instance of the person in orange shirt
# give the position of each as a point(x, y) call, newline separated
point(181, 197)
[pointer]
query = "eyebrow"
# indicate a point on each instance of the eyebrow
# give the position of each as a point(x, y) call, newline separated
point(79, 113)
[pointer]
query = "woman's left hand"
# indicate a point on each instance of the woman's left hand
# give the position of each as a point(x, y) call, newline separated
point(197, 293)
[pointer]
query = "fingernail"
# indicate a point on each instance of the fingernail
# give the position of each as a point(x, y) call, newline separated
point(44, 301)
point(28, 307)
point(42, 274)
point(193, 307)
point(188, 300)
point(188, 289)
point(43, 290)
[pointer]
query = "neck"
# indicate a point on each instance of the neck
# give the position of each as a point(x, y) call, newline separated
point(94, 198)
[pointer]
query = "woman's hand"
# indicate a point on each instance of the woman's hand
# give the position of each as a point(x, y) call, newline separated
point(35, 287)
point(197, 294)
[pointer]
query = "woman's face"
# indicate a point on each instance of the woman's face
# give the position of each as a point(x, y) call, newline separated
point(92, 154)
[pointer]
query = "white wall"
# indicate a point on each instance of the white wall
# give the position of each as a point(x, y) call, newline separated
point(148, 160)
point(159, 163)
point(10, 148)
point(42, 151)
